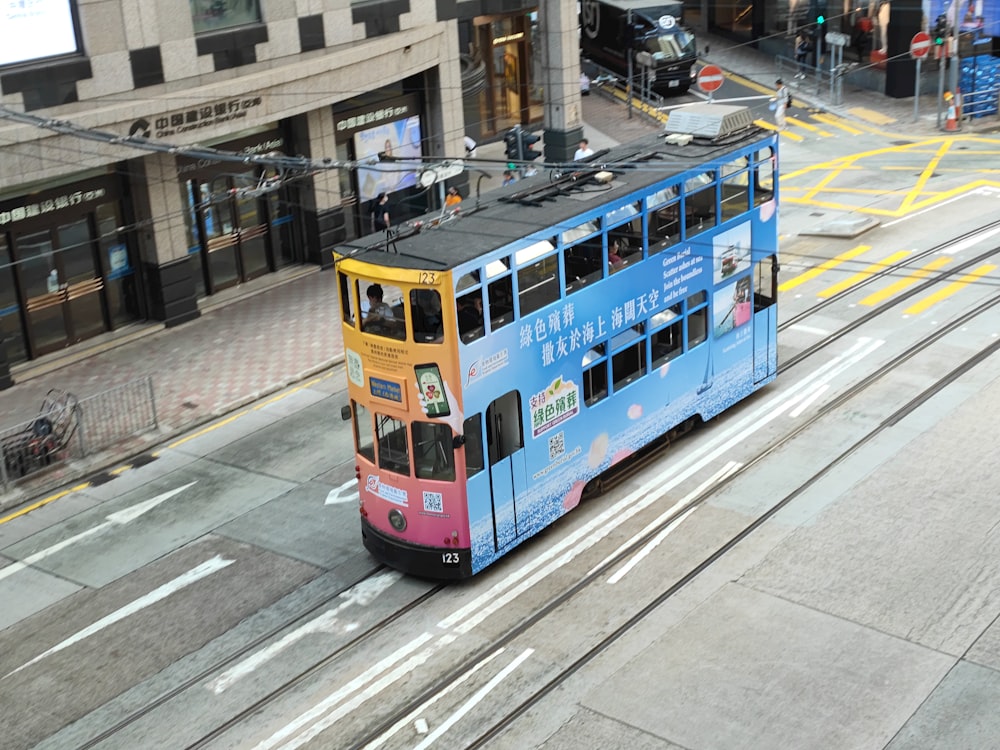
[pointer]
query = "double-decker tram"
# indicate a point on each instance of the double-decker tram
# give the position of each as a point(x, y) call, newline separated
point(499, 358)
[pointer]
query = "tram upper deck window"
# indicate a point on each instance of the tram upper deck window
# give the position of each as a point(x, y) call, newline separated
point(393, 449)
point(735, 195)
point(763, 183)
point(700, 209)
point(425, 312)
point(624, 236)
point(664, 212)
point(538, 281)
point(500, 293)
point(348, 303)
point(382, 310)
point(667, 339)
point(583, 263)
point(470, 316)
point(433, 451)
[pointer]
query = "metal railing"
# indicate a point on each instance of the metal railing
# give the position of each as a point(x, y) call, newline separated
point(66, 428)
point(608, 83)
point(980, 103)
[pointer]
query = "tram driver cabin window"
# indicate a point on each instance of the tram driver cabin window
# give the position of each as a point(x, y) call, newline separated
point(382, 310)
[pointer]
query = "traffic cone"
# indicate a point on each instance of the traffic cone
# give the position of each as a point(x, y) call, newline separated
point(951, 121)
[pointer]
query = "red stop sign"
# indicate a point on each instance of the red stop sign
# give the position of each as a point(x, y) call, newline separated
point(920, 44)
point(710, 78)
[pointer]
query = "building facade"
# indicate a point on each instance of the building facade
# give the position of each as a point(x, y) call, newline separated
point(97, 235)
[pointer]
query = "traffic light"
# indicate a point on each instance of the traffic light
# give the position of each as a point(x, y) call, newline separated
point(940, 29)
point(512, 140)
point(527, 141)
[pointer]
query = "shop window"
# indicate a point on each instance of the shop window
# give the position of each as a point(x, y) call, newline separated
point(10, 318)
point(582, 264)
point(595, 375)
point(628, 363)
point(472, 430)
point(393, 450)
point(364, 439)
point(667, 339)
point(212, 15)
point(382, 310)
point(425, 312)
point(433, 451)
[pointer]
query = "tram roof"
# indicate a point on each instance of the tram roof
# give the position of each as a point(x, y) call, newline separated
point(541, 203)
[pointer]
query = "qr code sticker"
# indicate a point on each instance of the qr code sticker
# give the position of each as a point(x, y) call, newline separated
point(557, 446)
point(433, 502)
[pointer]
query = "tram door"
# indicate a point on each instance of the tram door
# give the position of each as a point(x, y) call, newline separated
point(765, 323)
point(505, 445)
point(236, 231)
point(61, 280)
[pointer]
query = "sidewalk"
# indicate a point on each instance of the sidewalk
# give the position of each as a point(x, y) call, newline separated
point(249, 342)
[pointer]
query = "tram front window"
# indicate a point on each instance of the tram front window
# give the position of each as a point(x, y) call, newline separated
point(425, 311)
point(393, 449)
point(433, 454)
point(382, 310)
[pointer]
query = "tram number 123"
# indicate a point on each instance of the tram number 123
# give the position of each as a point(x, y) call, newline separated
point(449, 558)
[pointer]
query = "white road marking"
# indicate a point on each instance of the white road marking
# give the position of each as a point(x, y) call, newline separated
point(978, 191)
point(474, 700)
point(810, 329)
point(405, 721)
point(371, 677)
point(343, 494)
point(207, 568)
point(808, 401)
point(360, 595)
point(115, 519)
point(716, 478)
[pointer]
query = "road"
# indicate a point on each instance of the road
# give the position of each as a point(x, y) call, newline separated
point(816, 568)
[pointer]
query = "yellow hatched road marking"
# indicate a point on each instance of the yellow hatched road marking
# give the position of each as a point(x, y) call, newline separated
point(809, 126)
point(812, 273)
point(836, 123)
point(894, 289)
point(862, 275)
point(949, 290)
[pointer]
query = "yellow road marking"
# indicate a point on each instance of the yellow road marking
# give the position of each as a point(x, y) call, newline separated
point(809, 126)
point(44, 501)
point(893, 289)
point(812, 273)
point(836, 123)
point(870, 115)
point(863, 274)
point(927, 173)
point(772, 127)
point(949, 290)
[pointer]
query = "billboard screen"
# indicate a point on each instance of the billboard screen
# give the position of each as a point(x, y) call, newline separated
point(35, 29)
point(400, 139)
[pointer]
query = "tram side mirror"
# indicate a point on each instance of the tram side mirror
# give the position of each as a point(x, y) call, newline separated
point(345, 413)
point(458, 441)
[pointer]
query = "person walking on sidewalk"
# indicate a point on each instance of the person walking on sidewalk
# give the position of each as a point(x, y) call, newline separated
point(803, 46)
point(780, 102)
point(584, 151)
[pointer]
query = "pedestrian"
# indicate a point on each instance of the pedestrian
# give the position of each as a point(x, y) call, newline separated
point(803, 46)
point(380, 213)
point(452, 199)
point(584, 84)
point(470, 148)
point(584, 151)
point(508, 177)
point(780, 102)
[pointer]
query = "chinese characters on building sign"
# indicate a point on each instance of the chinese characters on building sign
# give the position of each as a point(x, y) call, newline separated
point(204, 117)
point(29, 210)
point(370, 118)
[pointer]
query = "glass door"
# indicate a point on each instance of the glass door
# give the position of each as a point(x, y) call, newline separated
point(43, 291)
point(253, 231)
point(77, 264)
point(220, 237)
point(10, 308)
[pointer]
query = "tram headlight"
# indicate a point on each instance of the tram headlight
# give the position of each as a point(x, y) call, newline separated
point(397, 520)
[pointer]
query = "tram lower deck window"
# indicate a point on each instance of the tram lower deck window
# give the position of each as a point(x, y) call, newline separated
point(433, 454)
point(393, 449)
point(364, 440)
point(595, 383)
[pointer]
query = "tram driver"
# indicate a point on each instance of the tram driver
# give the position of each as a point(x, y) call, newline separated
point(375, 311)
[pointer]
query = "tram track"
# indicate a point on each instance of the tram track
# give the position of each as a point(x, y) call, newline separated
point(258, 642)
point(412, 706)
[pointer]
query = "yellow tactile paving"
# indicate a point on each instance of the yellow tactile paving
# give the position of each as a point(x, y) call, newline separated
point(870, 115)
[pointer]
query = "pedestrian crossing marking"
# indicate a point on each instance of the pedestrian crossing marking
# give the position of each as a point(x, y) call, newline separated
point(812, 273)
point(870, 115)
point(836, 123)
point(949, 290)
point(893, 289)
point(863, 274)
point(809, 126)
